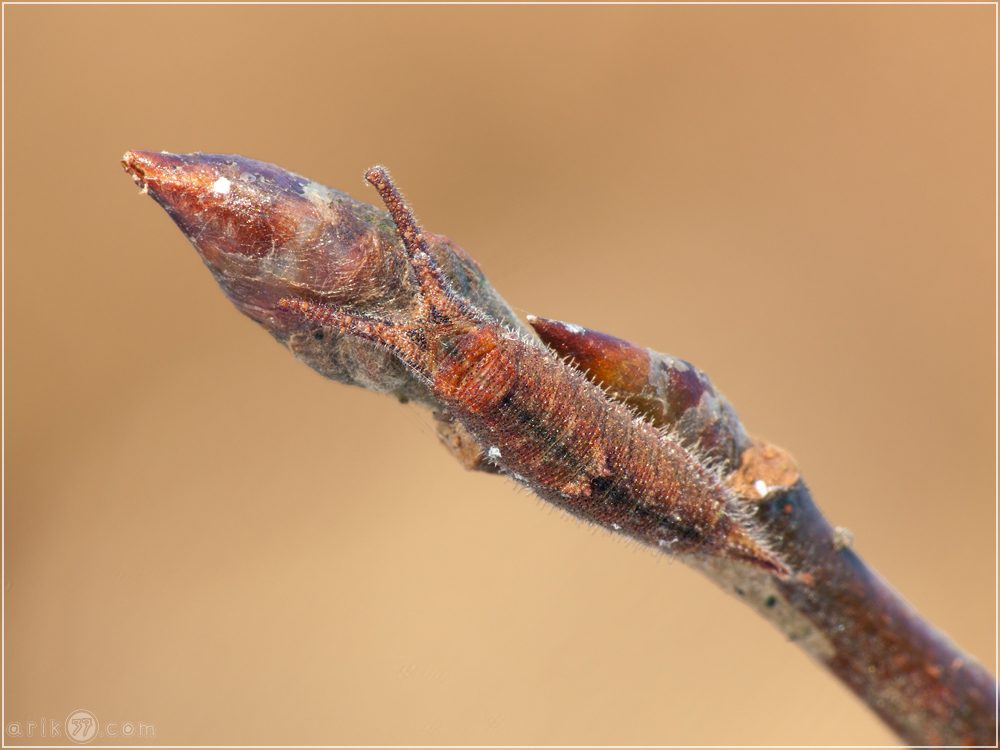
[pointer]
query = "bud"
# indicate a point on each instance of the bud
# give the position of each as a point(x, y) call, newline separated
point(266, 233)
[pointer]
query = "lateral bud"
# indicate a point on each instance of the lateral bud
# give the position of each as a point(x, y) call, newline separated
point(671, 393)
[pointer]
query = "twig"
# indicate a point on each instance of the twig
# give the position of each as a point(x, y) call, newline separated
point(330, 279)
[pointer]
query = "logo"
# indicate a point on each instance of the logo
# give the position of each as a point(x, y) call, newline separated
point(81, 726)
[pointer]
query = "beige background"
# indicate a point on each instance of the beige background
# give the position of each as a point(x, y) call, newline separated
point(203, 535)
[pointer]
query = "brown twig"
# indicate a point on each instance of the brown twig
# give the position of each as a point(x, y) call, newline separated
point(305, 261)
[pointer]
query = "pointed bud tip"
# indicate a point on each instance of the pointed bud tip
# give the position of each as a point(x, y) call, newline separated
point(135, 164)
point(158, 171)
point(610, 361)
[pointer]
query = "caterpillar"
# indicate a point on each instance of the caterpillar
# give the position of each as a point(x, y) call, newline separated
point(542, 422)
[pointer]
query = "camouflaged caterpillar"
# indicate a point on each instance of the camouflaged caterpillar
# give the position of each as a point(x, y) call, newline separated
point(544, 424)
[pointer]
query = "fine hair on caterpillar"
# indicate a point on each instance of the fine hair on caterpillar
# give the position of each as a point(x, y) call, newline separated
point(545, 425)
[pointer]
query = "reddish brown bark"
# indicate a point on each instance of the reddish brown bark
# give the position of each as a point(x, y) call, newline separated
point(912, 675)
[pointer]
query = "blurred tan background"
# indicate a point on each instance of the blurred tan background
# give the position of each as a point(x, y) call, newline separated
point(203, 535)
